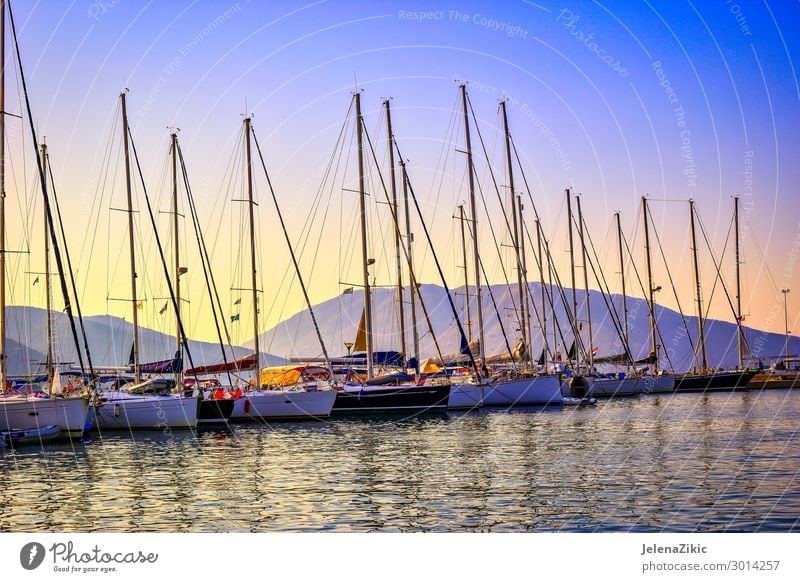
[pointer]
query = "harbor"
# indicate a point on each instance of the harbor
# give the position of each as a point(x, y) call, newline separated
point(680, 462)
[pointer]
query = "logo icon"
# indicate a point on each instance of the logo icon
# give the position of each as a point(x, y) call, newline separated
point(31, 555)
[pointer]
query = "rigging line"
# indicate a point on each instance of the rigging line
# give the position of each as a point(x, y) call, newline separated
point(463, 338)
point(612, 309)
point(650, 308)
point(497, 311)
point(98, 204)
point(719, 277)
point(550, 261)
point(396, 222)
point(502, 207)
point(69, 266)
point(43, 183)
point(672, 282)
point(211, 285)
point(163, 259)
point(294, 258)
point(515, 309)
point(548, 289)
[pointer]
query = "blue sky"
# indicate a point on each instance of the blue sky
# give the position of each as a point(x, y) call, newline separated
point(589, 87)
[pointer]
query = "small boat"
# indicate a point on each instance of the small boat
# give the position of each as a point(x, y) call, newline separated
point(570, 401)
point(31, 436)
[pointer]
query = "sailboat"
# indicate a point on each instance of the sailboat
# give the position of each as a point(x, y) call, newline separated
point(302, 396)
point(29, 409)
point(705, 379)
point(519, 387)
point(655, 380)
point(381, 395)
point(591, 382)
point(144, 403)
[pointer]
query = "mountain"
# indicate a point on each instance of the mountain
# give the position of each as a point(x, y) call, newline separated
point(110, 339)
point(338, 320)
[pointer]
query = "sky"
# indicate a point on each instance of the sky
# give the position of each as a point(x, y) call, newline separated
point(673, 100)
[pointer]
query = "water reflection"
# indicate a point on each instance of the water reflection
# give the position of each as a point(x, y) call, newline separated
point(677, 462)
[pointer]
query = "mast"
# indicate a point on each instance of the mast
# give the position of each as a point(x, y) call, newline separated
point(412, 280)
point(541, 286)
point(525, 305)
point(174, 156)
point(48, 306)
point(2, 196)
point(625, 336)
point(700, 326)
point(590, 351)
point(516, 239)
point(474, 217)
point(253, 272)
point(466, 270)
point(576, 329)
point(397, 241)
point(650, 289)
point(739, 330)
point(365, 259)
point(134, 299)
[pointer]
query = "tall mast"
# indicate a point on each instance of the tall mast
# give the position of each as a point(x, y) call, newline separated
point(134, 298)
point(590, 351)
point(541, 285)
point(412, 280)
point(516, 239)
point(474, 216)
point(739, 330)
point(253, 272)
point(577, 327)
point(466, 271)
point(525, 305)
point(48, 306)
point(174, 156)
point(700, 325)
point(650, 289)
point(625, 336)
point(2, 196)
point(364, 257)
point(397, 241)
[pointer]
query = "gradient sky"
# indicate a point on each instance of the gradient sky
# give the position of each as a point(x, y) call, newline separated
point(590, 113)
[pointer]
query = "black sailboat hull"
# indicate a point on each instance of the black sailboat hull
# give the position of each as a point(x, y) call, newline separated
point(407, 400)
point(211, 412)
point(720, 381)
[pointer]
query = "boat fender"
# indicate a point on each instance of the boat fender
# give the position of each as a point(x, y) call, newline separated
point(247, 406)
point(116, 410)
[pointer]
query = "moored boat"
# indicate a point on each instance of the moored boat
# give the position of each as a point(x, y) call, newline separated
point(35, 435)
point(708, 382)
point(21, 411)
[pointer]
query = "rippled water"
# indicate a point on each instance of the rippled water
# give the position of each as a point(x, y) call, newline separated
point(683, 462)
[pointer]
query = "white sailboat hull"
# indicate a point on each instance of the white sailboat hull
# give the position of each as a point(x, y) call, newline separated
point(145, 412)
point(538, 390)
point(607, 387)
point(28, 412)
point(465, 397)
point(279, 404)
point(657, 384)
